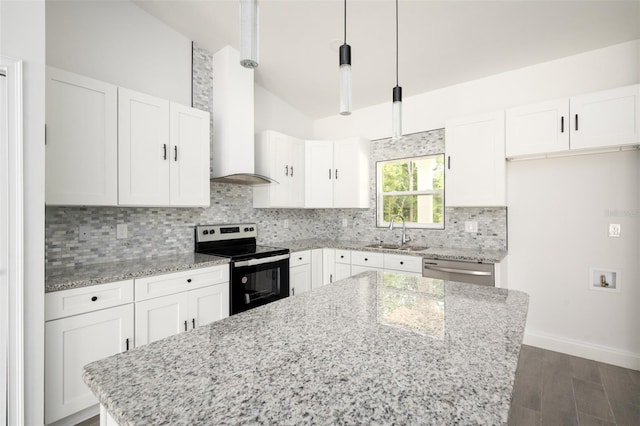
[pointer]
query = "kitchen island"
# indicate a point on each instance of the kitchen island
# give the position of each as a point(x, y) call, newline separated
point(373, 348)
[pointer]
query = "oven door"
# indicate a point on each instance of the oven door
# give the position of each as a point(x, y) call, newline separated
point(256, 282)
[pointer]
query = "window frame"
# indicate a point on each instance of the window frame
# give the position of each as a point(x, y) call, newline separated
point(380, 223)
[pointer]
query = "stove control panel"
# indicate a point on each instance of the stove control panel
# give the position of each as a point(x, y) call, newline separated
point(206, 233)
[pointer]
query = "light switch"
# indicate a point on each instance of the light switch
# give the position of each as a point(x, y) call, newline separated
point(83, 233)
point(121, 231)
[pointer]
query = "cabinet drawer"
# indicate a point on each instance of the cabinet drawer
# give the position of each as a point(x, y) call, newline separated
point(300, 258)
point(343, 256)
point(162, 285)
point(367, 258)
point(76, 301)
point(403, 263)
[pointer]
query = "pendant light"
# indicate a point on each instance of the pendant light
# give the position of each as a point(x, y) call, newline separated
point(345, 71)
point(249, 33)
point(396, 111)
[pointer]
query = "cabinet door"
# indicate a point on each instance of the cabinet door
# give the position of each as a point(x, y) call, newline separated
point(296, 173)
point(190, 151)
point(208, 304)
point(319, 174)
point(475, 173)
point(73, 342)
point(343, 270)
point(537, 129)
point(300, 279)
point(351, 172)
point(328, 265)
point(607, 118)
point(81, 150)
point(317, 271)
point(161, 317)
point(143, 149)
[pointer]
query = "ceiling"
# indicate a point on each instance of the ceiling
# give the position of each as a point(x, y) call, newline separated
point(440, 43)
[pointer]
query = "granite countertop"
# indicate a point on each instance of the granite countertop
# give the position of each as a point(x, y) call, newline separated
point(64, 278)
point(470, 255)
point(374, 348)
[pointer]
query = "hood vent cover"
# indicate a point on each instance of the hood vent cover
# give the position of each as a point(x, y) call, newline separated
point(244, 179)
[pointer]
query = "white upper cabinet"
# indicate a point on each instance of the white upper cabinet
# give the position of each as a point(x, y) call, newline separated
point(337, 173)
point(281, 157)
point(81, 140)
point(475, 170)
point(189, 170)
point(163, 152)
point(143, 149)
point(605, 119)
point(537, 129)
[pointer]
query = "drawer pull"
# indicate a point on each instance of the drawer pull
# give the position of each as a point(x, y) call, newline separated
point(193, 321)
point(94, 298)
point(188, 280)
point(299, 258)
point(341, 257)
point(185, 326)
point(126, 344)
point(366, 259)
point(401, 262)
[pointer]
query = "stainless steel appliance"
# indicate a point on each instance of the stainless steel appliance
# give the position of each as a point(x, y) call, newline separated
point(455, 270)
point(258, 274)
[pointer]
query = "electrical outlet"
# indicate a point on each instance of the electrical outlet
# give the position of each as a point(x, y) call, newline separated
point(121, 231)
point(614, 230)
point(471, 226)
point(345, 223)
point(83, 233)
point(286, 223)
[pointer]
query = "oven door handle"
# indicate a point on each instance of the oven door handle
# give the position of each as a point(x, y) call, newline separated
point(261, 261)
point(458, 271)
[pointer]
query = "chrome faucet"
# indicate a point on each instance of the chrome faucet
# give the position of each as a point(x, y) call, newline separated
point(405, 238)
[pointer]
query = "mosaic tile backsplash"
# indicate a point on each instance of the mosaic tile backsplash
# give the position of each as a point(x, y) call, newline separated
point(170, 230)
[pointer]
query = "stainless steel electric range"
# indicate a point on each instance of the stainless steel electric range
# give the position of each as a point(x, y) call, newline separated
point(258, 274)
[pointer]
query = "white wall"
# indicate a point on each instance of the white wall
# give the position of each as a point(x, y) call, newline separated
point(556, 207)
point(22, 36)
point(599, 69)
point(117, 42)
point(272, 113)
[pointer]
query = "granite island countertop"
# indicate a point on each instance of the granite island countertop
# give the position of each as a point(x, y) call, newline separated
point(64, 278)
point(374, 348)
point(444, 253)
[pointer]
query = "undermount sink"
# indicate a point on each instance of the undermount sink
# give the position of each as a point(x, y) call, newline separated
point(395, 247)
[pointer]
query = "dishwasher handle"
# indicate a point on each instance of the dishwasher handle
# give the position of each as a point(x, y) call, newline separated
point(458, 271)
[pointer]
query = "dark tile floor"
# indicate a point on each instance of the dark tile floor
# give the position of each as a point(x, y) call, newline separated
point(552, 388)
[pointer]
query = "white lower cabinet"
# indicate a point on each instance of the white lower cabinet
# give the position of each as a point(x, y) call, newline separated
point(408, 265)
point(299, 272)
point(317, 268)
point(169, 315)
point(73, 342)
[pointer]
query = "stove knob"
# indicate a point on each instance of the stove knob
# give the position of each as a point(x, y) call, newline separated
point(246, 229)
point(212, 231)
point(251, 229)
point(205, 232)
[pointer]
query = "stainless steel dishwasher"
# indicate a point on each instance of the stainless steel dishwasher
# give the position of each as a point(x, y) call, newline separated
point(457, 270)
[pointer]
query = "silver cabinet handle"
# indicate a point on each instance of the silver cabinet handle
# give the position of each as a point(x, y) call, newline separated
point(175, 156)
point(336, 173)
point(291, 171)
point(254, 262)
point(329, 173)
point(459, 271)
point(286, 170)
point(164, 147)
point(330, 278)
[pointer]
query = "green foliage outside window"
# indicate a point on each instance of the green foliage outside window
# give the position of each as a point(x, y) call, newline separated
point(413, 188)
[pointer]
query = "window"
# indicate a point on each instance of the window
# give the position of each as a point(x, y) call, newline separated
point(413, 188)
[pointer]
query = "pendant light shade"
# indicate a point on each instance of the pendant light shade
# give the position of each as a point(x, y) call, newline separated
point(396, 108)
point(345, 71)
point(249, 33)
point(396, 113)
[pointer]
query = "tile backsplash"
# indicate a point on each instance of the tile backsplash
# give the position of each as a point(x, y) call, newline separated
point(169, 230)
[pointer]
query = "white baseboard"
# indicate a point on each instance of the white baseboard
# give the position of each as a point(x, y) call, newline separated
point(78, 417)
point(583, 350)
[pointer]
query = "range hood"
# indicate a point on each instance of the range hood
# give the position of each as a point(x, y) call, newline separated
point(232, 150)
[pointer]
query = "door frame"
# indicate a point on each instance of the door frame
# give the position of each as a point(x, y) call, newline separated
point(12, 223)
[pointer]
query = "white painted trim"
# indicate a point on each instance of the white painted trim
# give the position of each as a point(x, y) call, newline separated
point(15, 209)
point(583, 350)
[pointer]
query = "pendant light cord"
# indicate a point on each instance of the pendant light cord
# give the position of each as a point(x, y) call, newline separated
point(396, 42)
point(345, 21)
